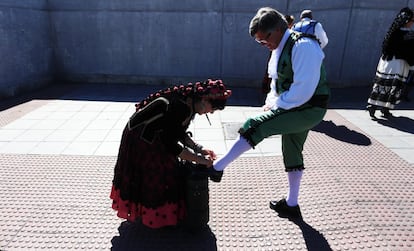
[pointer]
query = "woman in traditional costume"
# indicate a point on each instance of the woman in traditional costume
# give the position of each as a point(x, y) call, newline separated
point(148, 184)
point(393, 67)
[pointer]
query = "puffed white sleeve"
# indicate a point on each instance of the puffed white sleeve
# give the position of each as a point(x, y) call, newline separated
point(321, 35)
point(307, 59)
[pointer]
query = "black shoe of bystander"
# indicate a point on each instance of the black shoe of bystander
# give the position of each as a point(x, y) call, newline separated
point(386, 113)
point(371, 109)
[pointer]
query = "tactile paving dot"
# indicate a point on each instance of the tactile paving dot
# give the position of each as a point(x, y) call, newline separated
point(353, 197)
point(56, 202)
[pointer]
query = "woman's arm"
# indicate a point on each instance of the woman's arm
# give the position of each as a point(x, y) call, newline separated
point(189, 142)
point(200, 159)
point(197, 148)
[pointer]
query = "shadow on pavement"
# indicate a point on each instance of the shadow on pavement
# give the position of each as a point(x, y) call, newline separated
point(43, 93)
point(341, 98)
point(314, 240)
point(135, 236)
point(342, 133)
point(400, 123)
point(241, 96)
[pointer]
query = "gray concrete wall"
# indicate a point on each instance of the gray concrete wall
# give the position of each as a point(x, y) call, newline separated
point(25, 46)
point(355, 29)
point(165, 41)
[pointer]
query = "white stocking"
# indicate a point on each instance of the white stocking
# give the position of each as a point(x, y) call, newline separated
point(239, 147)
point(294, 178)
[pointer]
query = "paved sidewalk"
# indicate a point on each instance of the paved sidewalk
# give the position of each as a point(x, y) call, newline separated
point(58, 149)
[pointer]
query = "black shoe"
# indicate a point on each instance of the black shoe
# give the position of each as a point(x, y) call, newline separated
point(201, 171)
point(371, 109)
point(386, 113)
point(284, 210)
point(215, 176)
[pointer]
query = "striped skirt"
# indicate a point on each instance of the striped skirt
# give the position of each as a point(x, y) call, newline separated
point(388, 83)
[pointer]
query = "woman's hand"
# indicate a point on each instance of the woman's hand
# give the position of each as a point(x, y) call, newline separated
point(209, 153)
point(206, 159)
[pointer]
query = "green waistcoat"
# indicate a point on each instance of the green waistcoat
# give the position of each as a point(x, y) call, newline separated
point(285, 71)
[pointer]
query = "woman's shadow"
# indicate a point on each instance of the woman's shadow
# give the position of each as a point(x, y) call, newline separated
point(400, 123)
point(135, 236)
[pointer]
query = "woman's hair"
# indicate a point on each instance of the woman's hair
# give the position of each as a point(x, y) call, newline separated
point(214, 90)
point(402, 18)
point(267, 19)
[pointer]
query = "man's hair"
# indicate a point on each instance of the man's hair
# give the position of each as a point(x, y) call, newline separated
point(306, 13)
point(267, 19)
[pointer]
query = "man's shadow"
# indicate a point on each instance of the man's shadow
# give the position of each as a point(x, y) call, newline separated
point(135, 236)
point(314, 240)
point(342, 133)
point(400, 123)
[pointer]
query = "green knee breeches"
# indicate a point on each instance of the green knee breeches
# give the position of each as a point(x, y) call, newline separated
point(293, 125)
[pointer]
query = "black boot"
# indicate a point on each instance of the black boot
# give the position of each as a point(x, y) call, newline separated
point(386, 112)
point(371, 109)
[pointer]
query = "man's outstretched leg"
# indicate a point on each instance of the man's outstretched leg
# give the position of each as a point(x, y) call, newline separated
point(238, 148)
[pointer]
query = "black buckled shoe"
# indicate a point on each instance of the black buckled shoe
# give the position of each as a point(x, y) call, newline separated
point(201, 171)
point(215, 176)
point(284, 210)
